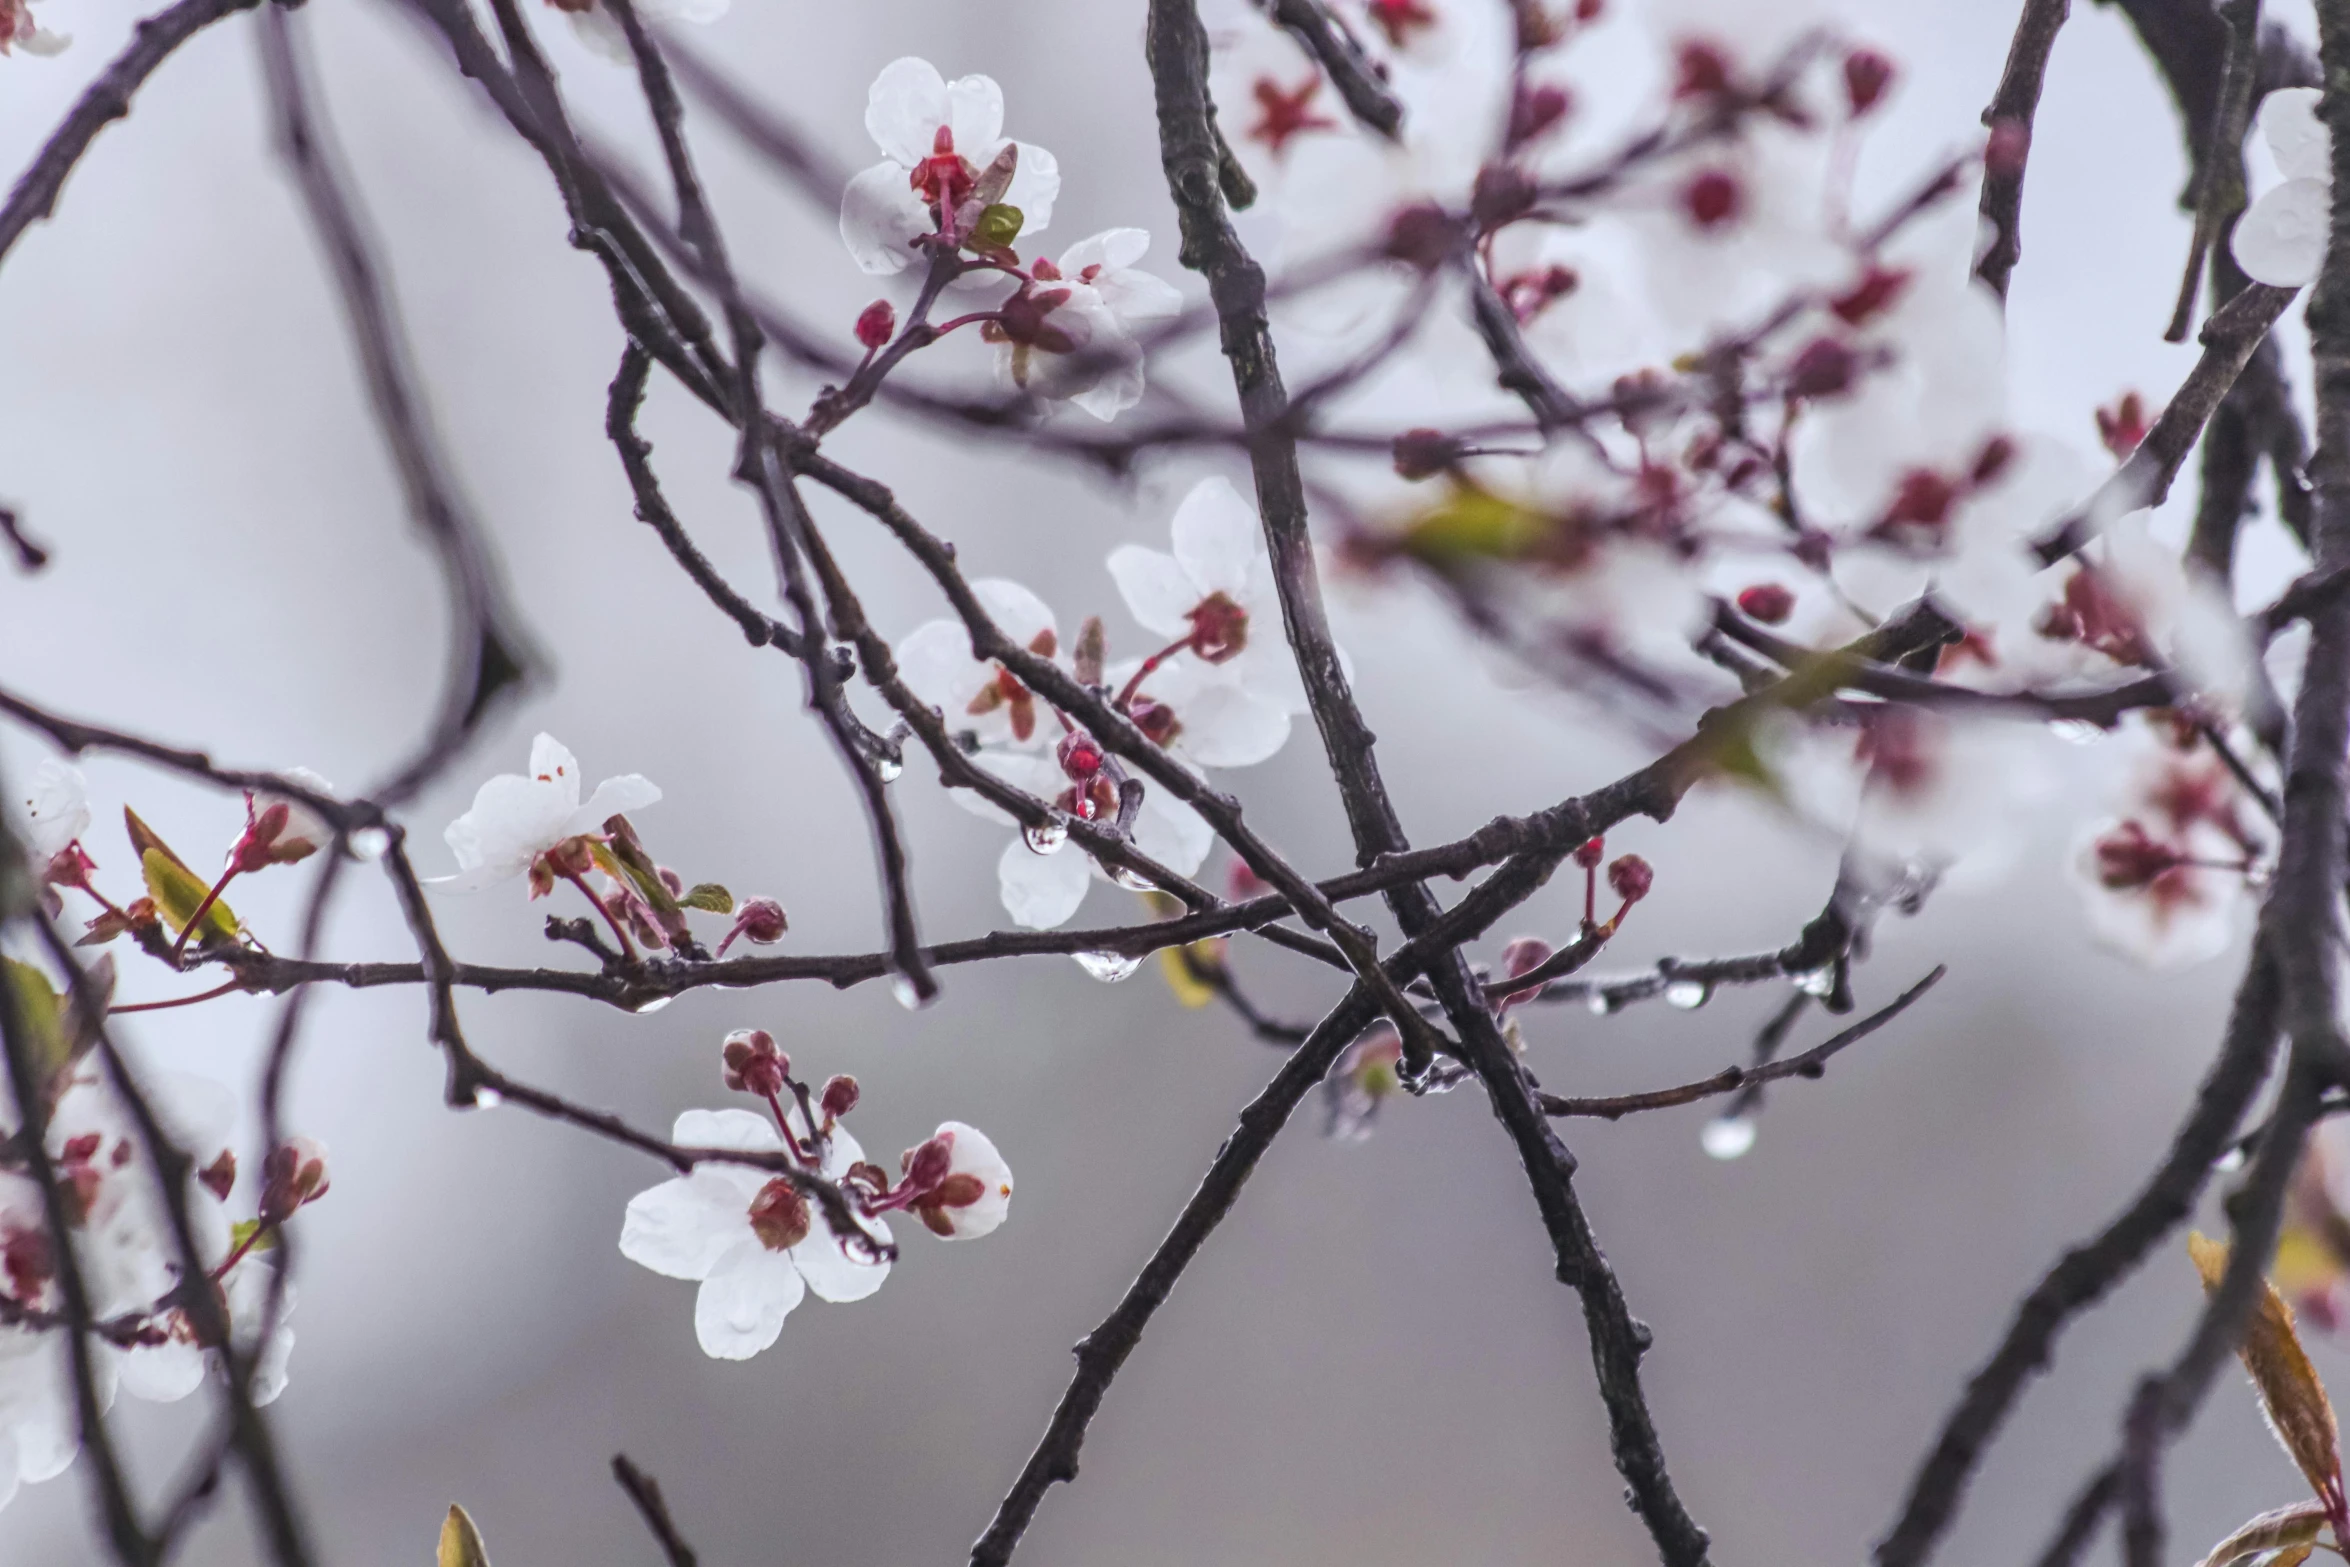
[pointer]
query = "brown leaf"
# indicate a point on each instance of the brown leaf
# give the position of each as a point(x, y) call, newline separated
point(2295, 1401)
point(2294, 1527)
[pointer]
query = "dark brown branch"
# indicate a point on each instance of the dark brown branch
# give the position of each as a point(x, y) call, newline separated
point(2010, 115)
point(489, 654)
point(106, 100)
point(1812, 1063)
point(2084, 1275)
point(645, 1492)
point(30, 556)
point(1361, 84)
point(2218, 183)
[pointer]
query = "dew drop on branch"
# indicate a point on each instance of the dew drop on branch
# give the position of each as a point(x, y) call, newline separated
point(369, 843)
point(1727, 1137)
point(1688, 994)
point(1108, 967)
point(1046, 839)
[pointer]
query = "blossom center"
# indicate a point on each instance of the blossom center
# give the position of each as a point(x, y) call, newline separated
point(780, 1215)
point(1219, 627)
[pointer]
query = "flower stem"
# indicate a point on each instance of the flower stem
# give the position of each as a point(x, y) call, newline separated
point(183, 1001)
point(619, 931)
point(210, 898)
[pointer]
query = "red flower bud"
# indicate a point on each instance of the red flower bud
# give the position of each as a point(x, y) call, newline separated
point(1712, 199)
point(1424, 235)
point(1424, 453)
point(759, 920)
point(927, 1165)
point(1769, 602)
point(839, 1097)
point(220, 1175)
point(1824, 368)
point(1537, 111)
point(1630, 878)
point(1702, 71)
point(1589, 853)
point(1866, 76)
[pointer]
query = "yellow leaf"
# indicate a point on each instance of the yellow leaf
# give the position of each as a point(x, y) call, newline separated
point(178, 891)
point(2295, 1401)
point(2295, 1528)
point(461, 1542)
point(1183, 967)
point(1473, 524)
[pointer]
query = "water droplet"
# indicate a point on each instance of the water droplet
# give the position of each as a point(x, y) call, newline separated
point(1046, 839)
point(369, 843)
point(1688, 994)
point(1108, 967)
point(909, 994)
point(889, 769)
point(2076, 731)
point(1131, 881)
point(487, 1099)
point(1601, 1003)
point(2230, 1162)
point(1727, 1136)
point(651, 1004)
point(1817, 982)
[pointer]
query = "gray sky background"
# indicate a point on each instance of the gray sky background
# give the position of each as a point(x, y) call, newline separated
point(1370, 1362)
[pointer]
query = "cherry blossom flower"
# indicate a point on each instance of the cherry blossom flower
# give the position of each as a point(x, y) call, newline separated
point(1042, 880)
point(1070, 335)
point(38, 1432)
point(2166, 880)
point(1228, 671)
point(279, 829)
point(2282, 238)
point(56, 814)
point(974, 1196)
point(747, 1236)
point(984, 698)
point(18, 30)
point(518, 817)
point(936, 139)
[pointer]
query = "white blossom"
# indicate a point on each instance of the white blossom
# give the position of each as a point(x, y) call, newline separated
point(2281, 240)
point(518, 817)
point(56, 811)
point(917, 117)
point(1071, 335)
point(973, 1166)
point(752, 1242)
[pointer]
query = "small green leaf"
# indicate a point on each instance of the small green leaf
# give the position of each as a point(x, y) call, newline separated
point(178, 891)
point(245, 1230)
point(461, 1542)
point(997, 227)
point(709, 897)
point(1470, 524)
point(43, 1013)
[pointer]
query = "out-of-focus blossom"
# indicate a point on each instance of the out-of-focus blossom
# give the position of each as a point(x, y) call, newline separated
point(1070, 335)
point(18, 30)
point(1360, 1082)
point(2281, 239)
point(937, 138)
point(518, 817)
point(2166, 880)
point(746, 1235)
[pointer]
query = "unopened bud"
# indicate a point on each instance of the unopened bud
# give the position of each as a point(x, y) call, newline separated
point(1537, 111)
point(1424, 235)
point(1502, 194)
point(292, 1175)
point(1630, 878)
point(759, 920)
point(780, 1216)
point(1866, 76)
point(839, 1097)
point(926, 1166)
point(1992, 460)
point(1701, 71)
point(1769, 602)
point(1424, 453)
point(1589, 853)
point(1080, 755)
point(1824, 368)
point(753, 1064)
point(1713, 198)
point(877, 323)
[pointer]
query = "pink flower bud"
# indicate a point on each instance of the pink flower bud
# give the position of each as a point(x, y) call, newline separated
point(759, 920)
point(1502, 193)
point(1080, 755)
point(877, 323)
point(1630, 878)
point(926, 1166)
point(839, 1097)
point(1537, 111)
point(780, 1216)
point(1824, 368)
point(1768, 602)
point(753, 1064)
point(2123, 426)
point(1876, 291)
point(1589, 853)
point(292, 1175)
point(1713, 198)
point(1866, 76)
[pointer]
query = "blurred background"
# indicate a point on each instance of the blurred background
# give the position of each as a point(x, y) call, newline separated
point(1371, 1361)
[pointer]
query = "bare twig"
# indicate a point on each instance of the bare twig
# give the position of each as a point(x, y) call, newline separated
point(2010, 115)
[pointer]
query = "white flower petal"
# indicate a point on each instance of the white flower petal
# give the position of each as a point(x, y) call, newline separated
point(2288, 120)
point(975, 113)
point(880, 218)
point(1171, 832)
point(974, 1154)
point(742, 1130)
point(1216, 537)
point(57, 809)
point(1110, 249)
point(162, 1373)
point(1227, 725)
point(613, 797)
point(681, 1227)
point(2282, 240)
point(934, 659)
point(1041, 891)
point(1115, 389)
point(743, 1302)
point(551, 761)
point(904, 109)
point(829, 1269)
point(1019, 613)
point(1157, 590)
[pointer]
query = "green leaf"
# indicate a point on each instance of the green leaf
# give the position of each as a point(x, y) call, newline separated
point(1471, 524)
point(178, 891)
point(997, 227)
point(461, 1542)
point(623, 849)
point(709, 897)
point(42, 1011)
point(245, 1229)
